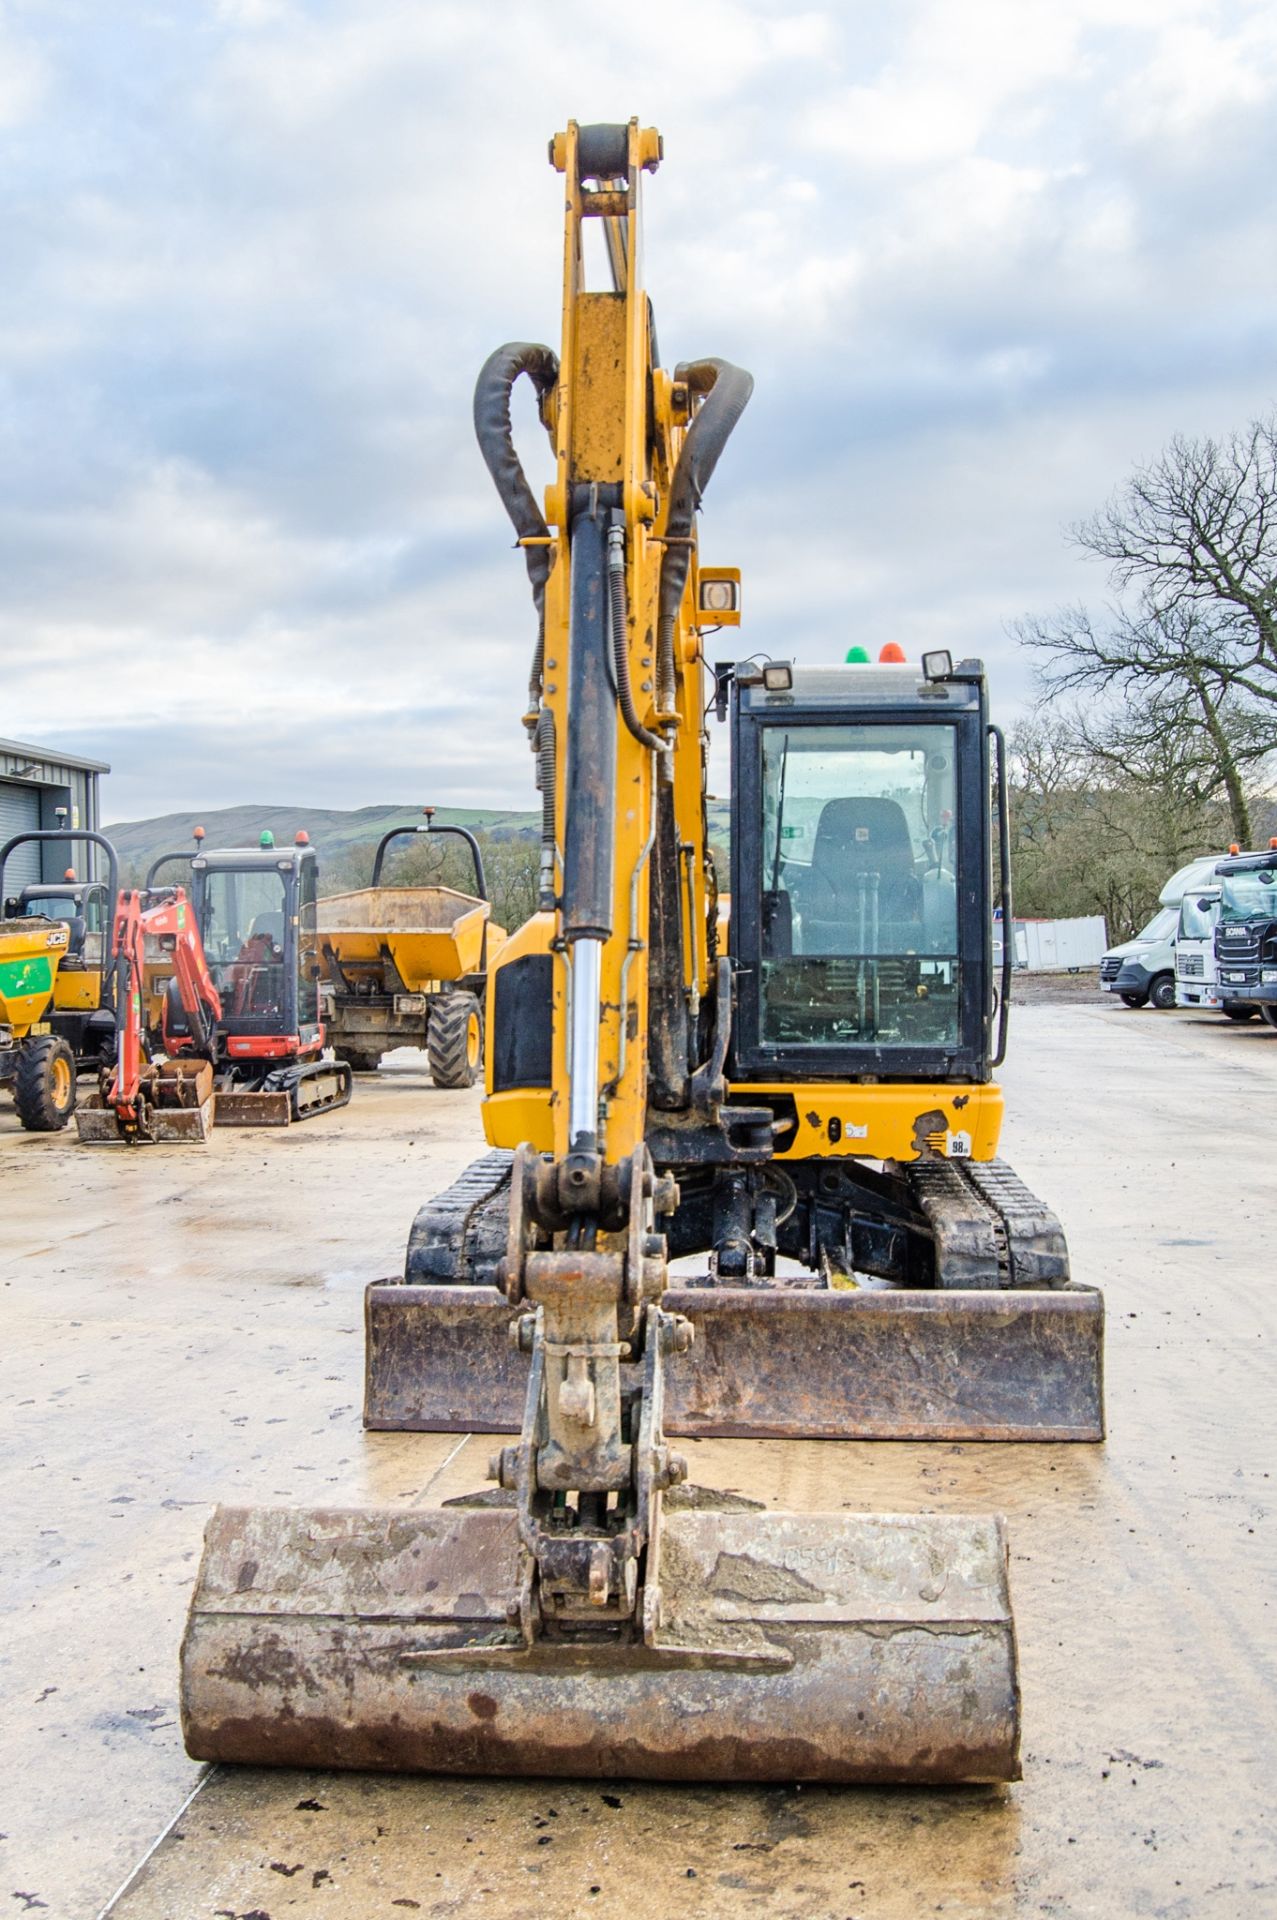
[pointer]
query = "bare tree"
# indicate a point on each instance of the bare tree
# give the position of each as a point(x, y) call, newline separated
point(1191, 541)
point(1105, 805)
point(1198, 527)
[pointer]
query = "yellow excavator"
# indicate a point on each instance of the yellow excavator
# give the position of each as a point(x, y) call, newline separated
point(743, 1180)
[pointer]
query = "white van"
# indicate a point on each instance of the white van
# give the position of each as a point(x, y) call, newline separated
point(1142, 971)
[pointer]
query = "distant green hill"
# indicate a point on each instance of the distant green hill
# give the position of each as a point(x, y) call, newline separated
point(334, 833)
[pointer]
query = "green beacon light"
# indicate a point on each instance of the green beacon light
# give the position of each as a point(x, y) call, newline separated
point(857, 657)
point(267, 839)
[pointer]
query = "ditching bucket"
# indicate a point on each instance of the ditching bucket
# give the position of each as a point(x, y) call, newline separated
point(179, 1108)
point(812, 1647)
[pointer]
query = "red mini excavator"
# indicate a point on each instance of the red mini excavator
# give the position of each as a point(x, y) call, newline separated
point(169, 1097)
point(238, 1037)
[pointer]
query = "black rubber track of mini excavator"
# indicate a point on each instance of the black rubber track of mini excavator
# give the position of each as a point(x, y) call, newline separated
point(971, 1249)
point(990, 1230)
point(1035, 1238)
point(459, 1237)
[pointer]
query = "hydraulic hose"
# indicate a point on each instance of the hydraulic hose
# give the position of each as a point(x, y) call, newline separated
point(496, 443)
point(620, 649)
point(727, 390)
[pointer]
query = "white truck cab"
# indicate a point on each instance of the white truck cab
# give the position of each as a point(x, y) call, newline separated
point(1142, 971)
point(1196, 978)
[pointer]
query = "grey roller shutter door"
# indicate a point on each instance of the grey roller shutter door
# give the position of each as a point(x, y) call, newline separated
point(19, 813)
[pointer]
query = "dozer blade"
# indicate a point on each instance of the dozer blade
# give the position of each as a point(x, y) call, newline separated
point(304, 1090)
point(792, 1647)
point(800, 1363)
point(252, 1109)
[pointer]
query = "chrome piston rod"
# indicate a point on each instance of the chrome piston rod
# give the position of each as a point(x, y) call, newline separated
point(583, 1064)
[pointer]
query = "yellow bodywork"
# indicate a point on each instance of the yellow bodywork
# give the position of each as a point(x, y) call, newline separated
point(31, 952)
point(432, 934)
point(892, 1120)
point(77, 988)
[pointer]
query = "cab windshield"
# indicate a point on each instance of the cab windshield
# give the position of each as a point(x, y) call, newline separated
point(1197, 916)
point(1248, 896)
point(1161, 926)
point(243, 934)
point(52, 906)
point(859, 900)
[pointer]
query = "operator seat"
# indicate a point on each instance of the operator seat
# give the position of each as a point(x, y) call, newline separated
point(255, 975)
point(856, 838)
point(268, 926)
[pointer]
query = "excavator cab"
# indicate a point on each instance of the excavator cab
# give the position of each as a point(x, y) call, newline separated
point(860, 929)
point(256, 910)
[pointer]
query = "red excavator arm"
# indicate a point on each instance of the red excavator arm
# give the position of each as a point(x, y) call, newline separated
point(170, 920)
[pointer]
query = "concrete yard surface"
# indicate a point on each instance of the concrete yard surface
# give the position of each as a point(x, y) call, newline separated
point(183, 1325)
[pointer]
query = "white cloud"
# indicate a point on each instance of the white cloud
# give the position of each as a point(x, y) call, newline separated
point(979, 256)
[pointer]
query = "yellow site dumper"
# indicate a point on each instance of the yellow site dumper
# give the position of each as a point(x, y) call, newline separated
point(56, 984)
point(408, 967)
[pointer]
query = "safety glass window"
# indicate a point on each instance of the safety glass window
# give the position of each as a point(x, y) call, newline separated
point(859, 908)
point(243, 933)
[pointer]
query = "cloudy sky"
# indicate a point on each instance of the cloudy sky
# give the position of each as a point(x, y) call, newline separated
point(980, 255)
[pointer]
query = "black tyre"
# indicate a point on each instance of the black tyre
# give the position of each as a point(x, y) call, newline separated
point(1136, 999)
point(358, 1059)
point(1240, 1013)
point(1268, 1013)
point(1162, 992)
point(44, 1086)
point(454, 1040)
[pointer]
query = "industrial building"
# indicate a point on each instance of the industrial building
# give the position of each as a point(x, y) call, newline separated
point(41, 788)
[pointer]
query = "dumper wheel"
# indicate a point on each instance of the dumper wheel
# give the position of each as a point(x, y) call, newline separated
point(44, 1085)
point(1268, 1013)
point(454, 1040)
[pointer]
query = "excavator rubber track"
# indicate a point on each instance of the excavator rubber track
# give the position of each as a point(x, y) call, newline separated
point(459, 1237)
point(990, 1230)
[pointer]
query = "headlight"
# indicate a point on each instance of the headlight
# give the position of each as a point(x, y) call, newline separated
point(1269, 976)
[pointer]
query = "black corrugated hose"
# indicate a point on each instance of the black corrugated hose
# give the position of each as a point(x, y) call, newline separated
point(727, 390)
point(496, 443)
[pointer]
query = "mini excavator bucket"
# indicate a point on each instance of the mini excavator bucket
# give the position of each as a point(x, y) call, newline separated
point(791, 1647)
point(174, 1107)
